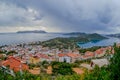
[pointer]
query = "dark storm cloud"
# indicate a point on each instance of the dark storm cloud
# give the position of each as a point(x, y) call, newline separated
point(65, 15)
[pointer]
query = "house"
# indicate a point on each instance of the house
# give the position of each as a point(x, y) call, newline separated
point(34, 59)
point(64, 58)
point(99, 62)
point(87, 66)
point(2, 55)
point(49, 70)
point(68, 57)
point(88, 55)
point(43, 57)
point(73, 57)
point(100, 52)
point(118, 45)
point(35, 71)
point(78, 70)
point(110, 50)
point(14, 64)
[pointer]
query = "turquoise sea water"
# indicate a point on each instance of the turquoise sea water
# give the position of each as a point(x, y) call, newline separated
point(105, 42)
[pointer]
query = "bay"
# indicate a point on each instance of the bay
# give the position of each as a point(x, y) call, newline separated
point(106, 42)
point(15, 38)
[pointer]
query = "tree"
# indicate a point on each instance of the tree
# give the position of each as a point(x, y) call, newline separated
point(97, 74)
point(45, 64)
point(112, 72)
point(62, 68)
point(115, 64)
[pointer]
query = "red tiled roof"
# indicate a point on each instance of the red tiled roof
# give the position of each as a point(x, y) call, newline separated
point(40, 55)
point(61, 54)
point(69, 55)
point(73, 55)
point(14, 64)
point(99, 51)
point(88, 53)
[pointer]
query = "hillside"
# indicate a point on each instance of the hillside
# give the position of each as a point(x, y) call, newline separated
point(95, 36)
point(71, 41)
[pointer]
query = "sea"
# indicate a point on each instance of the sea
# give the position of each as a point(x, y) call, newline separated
point(18, 38)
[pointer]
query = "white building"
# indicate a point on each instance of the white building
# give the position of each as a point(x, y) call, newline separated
point(99, 62)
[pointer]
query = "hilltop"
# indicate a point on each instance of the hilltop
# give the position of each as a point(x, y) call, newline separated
point(72, 41)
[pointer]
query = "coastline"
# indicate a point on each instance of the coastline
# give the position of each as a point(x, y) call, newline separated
point(27, 38)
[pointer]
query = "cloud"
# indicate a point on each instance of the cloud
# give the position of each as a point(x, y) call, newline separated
point(12, 15)
point(62, 15)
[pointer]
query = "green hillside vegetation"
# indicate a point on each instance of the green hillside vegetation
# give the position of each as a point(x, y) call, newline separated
point(63, 42)
point(95, 36)
point(71, 41)
point(62, 68)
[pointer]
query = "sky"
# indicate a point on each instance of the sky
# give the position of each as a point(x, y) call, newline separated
point(91, 16)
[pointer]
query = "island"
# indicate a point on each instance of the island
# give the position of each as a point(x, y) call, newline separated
point(34, 31)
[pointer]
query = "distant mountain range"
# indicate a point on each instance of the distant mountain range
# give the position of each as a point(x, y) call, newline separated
point(34, 31)
point(85, 35)
point(75, 33)
point(115, 35)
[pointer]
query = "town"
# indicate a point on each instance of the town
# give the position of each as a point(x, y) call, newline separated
point(30, 58)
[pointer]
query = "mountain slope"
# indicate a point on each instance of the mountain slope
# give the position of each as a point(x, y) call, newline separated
point(72, 41)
